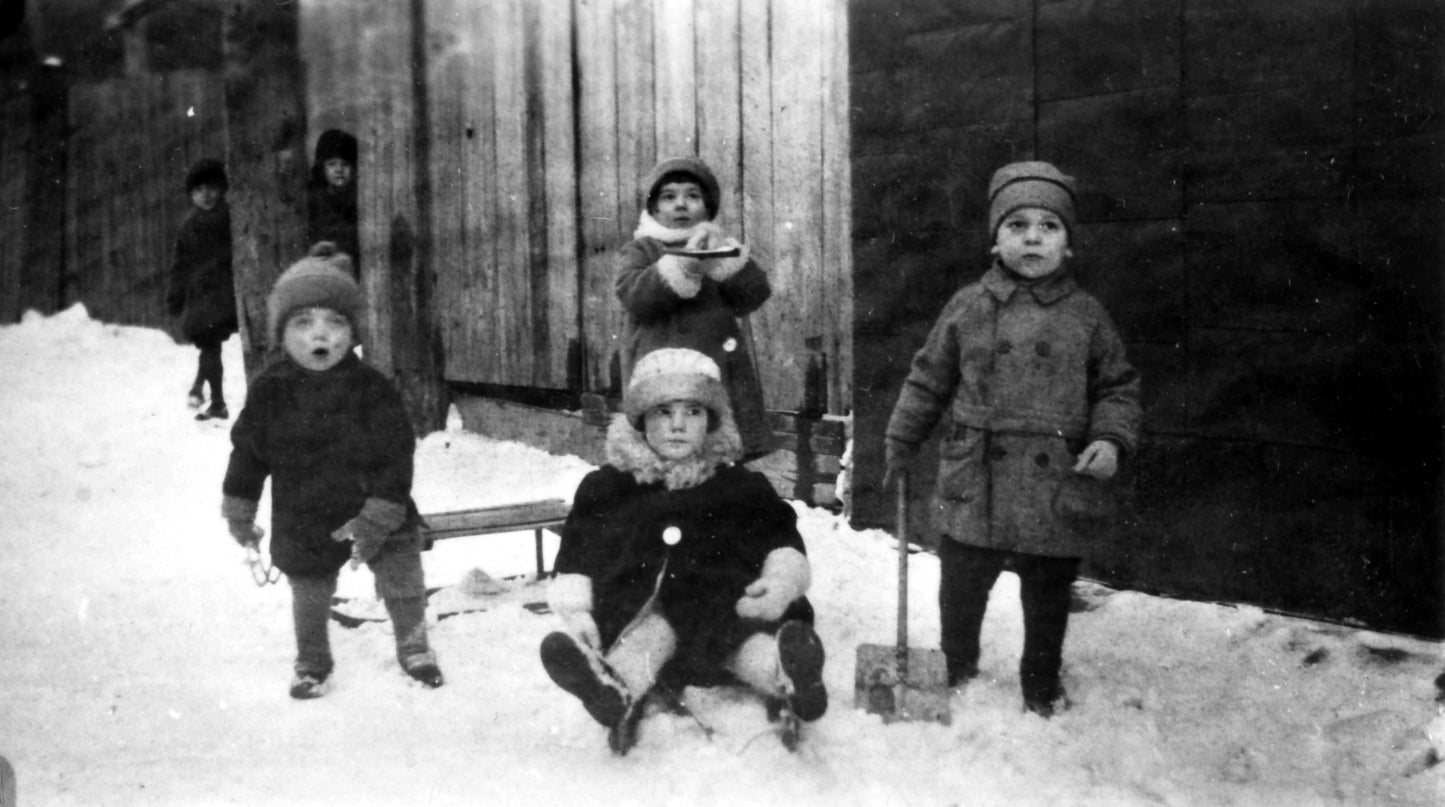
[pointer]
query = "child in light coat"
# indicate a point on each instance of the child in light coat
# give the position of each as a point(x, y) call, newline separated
point(332, 434)
point(679, 301)
point(675, 558)
point(1043, 403)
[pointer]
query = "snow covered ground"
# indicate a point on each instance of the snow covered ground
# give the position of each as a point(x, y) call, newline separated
point(139, 663)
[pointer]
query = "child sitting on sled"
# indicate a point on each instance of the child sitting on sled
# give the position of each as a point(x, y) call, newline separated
point(678, 563)
point(331, 432)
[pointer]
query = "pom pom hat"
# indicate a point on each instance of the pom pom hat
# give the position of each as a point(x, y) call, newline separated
point(207, 171)
point(674, 374)
point(693, 167)
point(1031, 184)
point(321, 279)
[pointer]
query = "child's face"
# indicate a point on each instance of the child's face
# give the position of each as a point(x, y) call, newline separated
point(339, 172)
point(317, 338)
point(206, 196)
point(676, 429)
point(681, 205)
point(1032, 241)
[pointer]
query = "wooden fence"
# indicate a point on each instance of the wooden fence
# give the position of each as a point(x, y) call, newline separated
point(534, 122)
point(130, 144)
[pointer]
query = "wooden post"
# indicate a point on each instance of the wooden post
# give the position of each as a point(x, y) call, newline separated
point(266, 157)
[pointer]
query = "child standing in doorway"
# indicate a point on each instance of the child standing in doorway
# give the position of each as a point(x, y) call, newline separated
point(1043, 404)
point(676, 558)
point(331, 212)
point(202, 290)
point(333, 435)
point(675, 300)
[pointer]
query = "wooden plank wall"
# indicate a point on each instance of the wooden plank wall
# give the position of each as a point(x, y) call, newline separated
point(131, 143)
point(1262, 217)
point(15, 143)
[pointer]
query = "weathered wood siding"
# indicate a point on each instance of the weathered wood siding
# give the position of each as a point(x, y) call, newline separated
point(1263, 219)
point(541, 119)
point(130, 145)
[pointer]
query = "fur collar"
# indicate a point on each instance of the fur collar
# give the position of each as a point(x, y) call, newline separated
point(649, 227)
point(628, 451)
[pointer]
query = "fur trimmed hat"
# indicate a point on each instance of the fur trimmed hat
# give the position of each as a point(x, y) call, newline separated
point(1031, 184)
point(336, 143)
point(321, 279)
point(207, 171)
point(674, 374)
point(692, 167)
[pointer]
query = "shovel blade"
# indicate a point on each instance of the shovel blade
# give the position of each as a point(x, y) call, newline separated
point(915, 690)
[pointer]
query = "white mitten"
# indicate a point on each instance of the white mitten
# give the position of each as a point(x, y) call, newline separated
point(720, 269)
point(785, 577)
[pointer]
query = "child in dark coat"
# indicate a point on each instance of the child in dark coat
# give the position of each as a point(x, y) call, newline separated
point(331, 212)
point(332, 434)
point(678, 301)
point(202, 289)
point(675, 557)
point(1043, 403)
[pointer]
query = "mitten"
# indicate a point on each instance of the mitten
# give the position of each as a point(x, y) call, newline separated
point(785, 577)
point(681, 274)
point(570, 597)
point(898, 457)
point(370, 528)
point(1099, 460)
point(721, 269)
point(240, 516)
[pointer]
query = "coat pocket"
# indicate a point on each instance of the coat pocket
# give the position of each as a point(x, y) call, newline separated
point(962, 477)
point(1083, 498)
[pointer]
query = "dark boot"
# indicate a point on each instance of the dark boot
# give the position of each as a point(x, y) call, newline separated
point(582, 672)
point(800, 654)
point(306, 686)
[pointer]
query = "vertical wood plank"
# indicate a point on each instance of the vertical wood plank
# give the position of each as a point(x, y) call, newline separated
point(511, 306)
point(756, 177)
point(598, 184)
point(552, 41)
point(837, 246)
point(450, 42)
point(675, 78)
point(482, 189)
point(719, 101)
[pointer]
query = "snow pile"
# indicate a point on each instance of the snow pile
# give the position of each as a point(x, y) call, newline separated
point(141, 664)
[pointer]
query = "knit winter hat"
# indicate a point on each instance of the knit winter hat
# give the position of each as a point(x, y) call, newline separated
point(321, 279)
point(674, 374)
point(1031, 184)
point(694, 168)
point(336, 143)
point(207, 171)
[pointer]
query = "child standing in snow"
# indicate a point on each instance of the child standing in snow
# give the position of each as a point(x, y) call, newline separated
point(674, 556)
point(1043, 402)
point(680, 301)
point(332, 434)
point(331, 213)
point(202, 289)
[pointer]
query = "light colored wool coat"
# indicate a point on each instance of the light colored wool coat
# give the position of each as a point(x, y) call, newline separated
point(1029, 375)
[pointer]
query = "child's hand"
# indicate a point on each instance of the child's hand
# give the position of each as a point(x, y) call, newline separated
point(707, 236)
point(366, 538)
point(1099, 460)
point(898, 458)
point(763, 600)
point(245, 532)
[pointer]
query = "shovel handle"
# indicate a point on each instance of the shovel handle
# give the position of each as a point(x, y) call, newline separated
point(902, 529)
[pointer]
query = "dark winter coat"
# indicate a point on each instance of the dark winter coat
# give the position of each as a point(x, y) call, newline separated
point(329, 441)
point(202, 289)
point(331, 215)
point(659, 315)
point(1029, 375)
point(729, 523)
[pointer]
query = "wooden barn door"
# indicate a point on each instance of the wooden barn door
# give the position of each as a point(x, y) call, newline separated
point(531, 125)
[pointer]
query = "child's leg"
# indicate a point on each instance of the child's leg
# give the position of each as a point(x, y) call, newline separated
point(966, 575)
point(788, 665)
point(196, 396)
point(401, 585)
point(310, 612)
point(1045, 588)
point(640, 653)
point(210, 369)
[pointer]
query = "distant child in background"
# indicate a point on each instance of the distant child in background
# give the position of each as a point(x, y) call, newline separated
point(332, 434)
point(676, 562)
point(201, 290)
point(1043, 403)
point(695, 303)
point(331, 213)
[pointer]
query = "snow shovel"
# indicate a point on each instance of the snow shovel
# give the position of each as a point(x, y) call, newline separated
point(897, 681)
